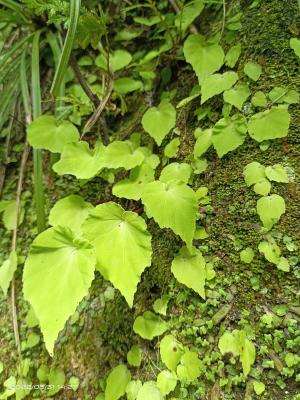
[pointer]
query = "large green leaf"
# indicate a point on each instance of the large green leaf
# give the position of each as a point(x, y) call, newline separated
point(237, 95)
point(216, 84)
point(117, 382)
point(47, 133)
point(7, 271)
point(57, 275)
point(166, 381)
point(176, 171)
point(253, 173)
point(205, 58)
point(189, 269)
point(270, 124)
point(170, 351)
point(70, 211)
point(132, 389)
point(277, 173)
point(173, 205)
point(190, 367)
point(123, 246)
point(149, 325)
point(149, 391)
point(270, 208)
point(158, 121)
point(77, 159)
point(190, 11)
point(229, 134)
point(122, 154)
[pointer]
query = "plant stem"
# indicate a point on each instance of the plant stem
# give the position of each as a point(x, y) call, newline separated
point(37, 154)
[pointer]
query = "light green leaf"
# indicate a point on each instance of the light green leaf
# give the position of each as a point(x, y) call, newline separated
point(216, 84)
point(247, 355)
point(23, 388)
point(229, 343)
point(270, 250)
point(134, 356)
point(153, 20)
point(247, 255)
point(270, 208)
point(8, 207)
point(122, 154)
point(32, 341)
point(204, 57)
point(171, 352)
point(118, 60)
point(176, 172)
point(57, 379)
point(203, 142)
point(258, 387)
point(122, 244)
point(74, 382)
point(233, 55)
point(277, 173)
point(190, 367)
point(77, 159)
point(189, 269)
point(229, 134)
point(47, 133)
point(253, 173)
point(126, 85)
point(70, 212)
point(56, 257)
point(116, 382)
point(270, 124)
point(199, 165)
point(166, 381)
point(291, 359)
point(259, 99)
point(237, 95)
point(132, 389)
point(253, 70)
point(149, 391)
point(295, 45)
point(171, 148)
point(173, 205)
point(158, 121)
point(190, 11)
point(160, 305)
point(7, 271)
point(149, 325)
point(262, 187)
point(283, 264)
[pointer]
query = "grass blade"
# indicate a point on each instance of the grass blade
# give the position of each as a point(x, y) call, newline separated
point(68, 45)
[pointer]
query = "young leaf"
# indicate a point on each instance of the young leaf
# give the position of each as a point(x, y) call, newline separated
point(126, 85)
point(189, 269)
point(134, 356)
point(122, 154)
point(149, 325)
point(270, 124)
point(123, 246)
point(216, 84)
point(172, 205)
point(270, 208)
point(116, 382)
point(176, 171)
point(132, 389)
point(158, 121)
point(253, 70)
point(171, 352)
point(190, 11)
point(149, 391)
point(171, 148)
point(9, 217)
point(204, 57)
point(7, 271)
point(47, 133)
point(160, 305)
point(190, 367)
point(277, 173)
point(203, 142)
point(237, 95)
point(118, 60)
point(77, 159)
point(295, 45)
point(229, 134)
point(259, 99)
point(270, 250)
point(247, 355)
point(166, 381)
point(56, 257)
point(247, 255)
point(70, 212)
point(262, 187)
point(233, 55)
point(253, 173)
point(258, 387)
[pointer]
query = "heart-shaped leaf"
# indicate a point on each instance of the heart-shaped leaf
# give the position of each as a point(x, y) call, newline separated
point(149, 325)
point(277, 173)
point(149, 391)
point(253, 173)
point(7, 271)
point(216, 84)
point(176, 171)
point(237, 95)
point(117, 382)
point(118, 60)
point(170, 351)
point(166, 381)
point(253, 70)
point(270, 208)
point(270, 124)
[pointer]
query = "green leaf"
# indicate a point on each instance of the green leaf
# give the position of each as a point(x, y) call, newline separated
point(229, 343)
point(166, 381)
point(270, 124)
point(205, 58)
point(77, 159)
point(203, 142)
point(270, 208)
point(57, 379)
point(56, 257)
point(295, 45)
point(149, 391)
point(270, 250)
point(132, 389)
point(160, 305)
point(118, 60)
point(253, 70)
point(253, 173)
point(116, 382)
point(237, 95)
point(134, 356)
point(277, 173)
point(7, 271)
point(291, 359)
point(176, 171)
point(47, 133)
point(258, 387)
point(189, 13)
point(74, 382)
point(173, 205)
point(189, 269)
point(283, 264)
point(259, 99)
point(247, 255)
point(171, 148)
point(233, 55)
point(8, 207)
point(126, 85)
point(149, 325)
point(158, 121)
point(171, 352)
point(229, 134)
point(216, 84)
point(247, 355)
point(262, 187)
point(190, 367)
point(122, 154)
point(122, 244)
point(70, 212)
